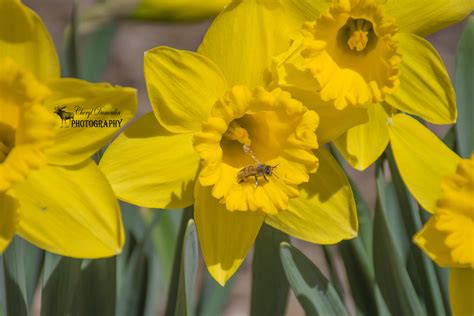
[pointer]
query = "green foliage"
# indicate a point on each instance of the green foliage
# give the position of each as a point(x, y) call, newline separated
point(464, 86)
point(314, 292)
point(15, 279)
point(60, 279)
point(187, 278)
point(390, 272)
point(269, 285)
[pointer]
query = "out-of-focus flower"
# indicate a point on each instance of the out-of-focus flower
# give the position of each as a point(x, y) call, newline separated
point(443, 183)
point(369, 53)
point(178, 10)
point(243, 153)
point(51, 192)
point(104, 12)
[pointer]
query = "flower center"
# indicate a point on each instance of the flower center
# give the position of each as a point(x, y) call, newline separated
point(352, 53)
point(26, 127)
point(256, 148)
point(357, 32)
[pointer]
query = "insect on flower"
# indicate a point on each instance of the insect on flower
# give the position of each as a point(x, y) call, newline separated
point(256, 170)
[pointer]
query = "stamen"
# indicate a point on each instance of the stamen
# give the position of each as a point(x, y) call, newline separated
point(238, 133)
point(249, 152)
point(358, 40)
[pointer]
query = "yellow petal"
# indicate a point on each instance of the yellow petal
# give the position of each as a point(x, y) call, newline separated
point(182, 87)
point(422, 159)
point(363, 144)
point(178, 10)
point(424, 17)
point(325, 212)
point(97, 112)
point(461, 291)
point(333, 123)
point(8, 219)
point(70, 211)
point(425, 89)
point(225, 237)
point(432, 241)
point(448, 238)
point(24, 38)
point(243, 39)
point(151, 167)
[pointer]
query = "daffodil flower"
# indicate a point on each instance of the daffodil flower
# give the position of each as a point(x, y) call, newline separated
point(370, 53)
point(241, 152)
point(51, 192)
point(443, 183)
point(177, 10)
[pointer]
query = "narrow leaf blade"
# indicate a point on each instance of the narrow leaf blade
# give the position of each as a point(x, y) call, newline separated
point(189, 264)
point(60, 279)
point(15, 279)
point(390, 272)
point(269, 284)
point(464, 86)
point(314, 292)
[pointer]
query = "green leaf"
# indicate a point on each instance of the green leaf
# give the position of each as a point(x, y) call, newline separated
point(464, 86)
point(214, 296)
point(390, 272)
point(187, 279)
point(141, 278)
point(165, 241)
point(314, 292)
point(70, 59)
point(174, 283)
point(450, 138)
point(32, 264)
point(95, 52)
point(2, 289)
point(395, 222)
point(15, 279)
point(96, 293)
point(60, 279)
point(360, 274)
point(333, 275)
point(269, 284)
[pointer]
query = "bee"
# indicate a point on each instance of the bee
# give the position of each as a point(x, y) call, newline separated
point(257, 170)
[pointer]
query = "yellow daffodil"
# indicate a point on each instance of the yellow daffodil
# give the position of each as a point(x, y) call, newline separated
point(243, 153)
point(51, 192)
point(443, 184)
point(370, 53)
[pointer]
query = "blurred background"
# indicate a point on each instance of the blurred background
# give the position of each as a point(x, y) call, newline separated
point(124, 66)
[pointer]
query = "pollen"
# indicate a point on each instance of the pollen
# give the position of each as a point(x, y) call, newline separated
point(237, 133)
point(249, 129)
point(26, 127)
point(358, 40)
